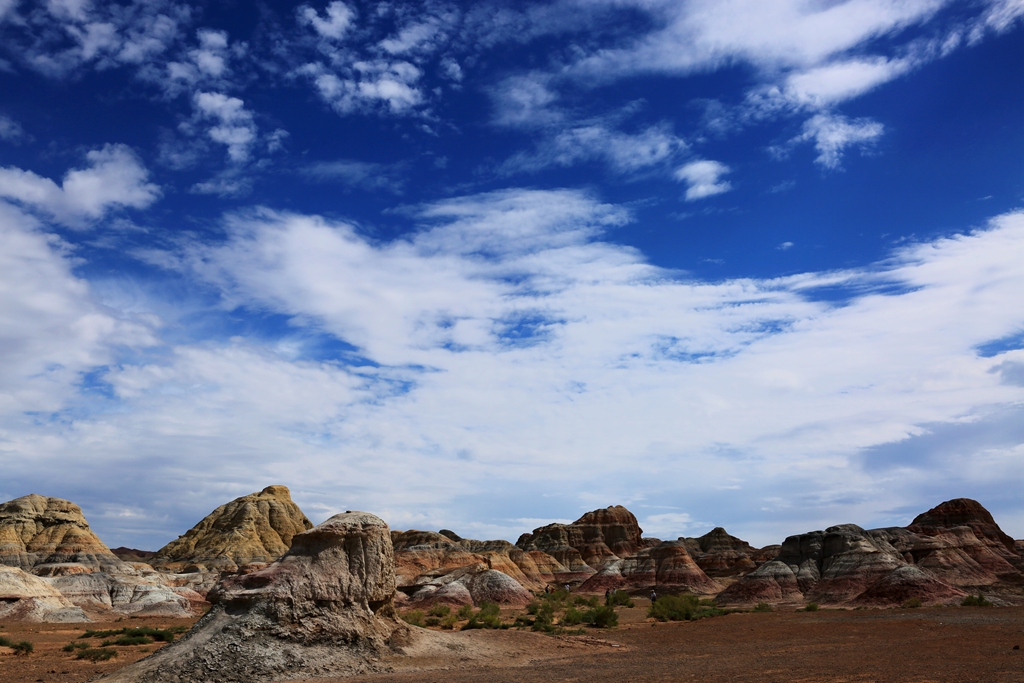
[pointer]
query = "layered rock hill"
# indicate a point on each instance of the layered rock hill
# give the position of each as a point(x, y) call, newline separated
point(252, 530)
point(586, 545)
point(722, 555)
point(946, 552)
point(49, 538)
point(602, 549)
point(25, 597)
point(323, 609)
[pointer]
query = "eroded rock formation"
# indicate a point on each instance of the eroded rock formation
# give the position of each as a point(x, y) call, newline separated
point(946, 552)
point(593, 540)
point(25, 597)
point(666, 566)
point(323, 609)
point(720, 554)
point(50, 538)
point(254, 529)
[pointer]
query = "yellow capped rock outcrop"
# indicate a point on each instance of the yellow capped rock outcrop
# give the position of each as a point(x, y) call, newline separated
point(251, 530)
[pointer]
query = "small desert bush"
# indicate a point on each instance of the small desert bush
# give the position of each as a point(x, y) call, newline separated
point(96, 654)
point(572, 617)
point(128, 640)
point(465, 612)
point(433, 621)
point(579, 600)
point(603, 617)
point(489, 616)
point(763, 607)
point(71, 647)
point(449, 621)
point(414, 617)
point(811, 607)
point(165, 635)
point(440, 611)
point(684, 607)
point(976, 601)
point(619, 598)
point(911, 603)
point(22, 648)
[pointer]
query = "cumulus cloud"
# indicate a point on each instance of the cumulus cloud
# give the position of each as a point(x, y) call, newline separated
point(235, 127)
point(832, 135)
point(10, 130)
point(115, 178)
point(52, 330)
point(333, 25)
point(703, 179)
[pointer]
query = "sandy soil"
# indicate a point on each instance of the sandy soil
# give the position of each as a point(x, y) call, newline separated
point(48, 663)
point(928, 645)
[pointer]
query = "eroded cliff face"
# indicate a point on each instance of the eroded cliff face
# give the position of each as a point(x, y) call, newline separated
point(954, 548)
point(325, 608)
point(50, 538)
point(252, 530)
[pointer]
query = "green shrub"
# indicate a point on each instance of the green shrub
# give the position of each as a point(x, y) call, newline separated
point(911, 603)
point(572, 617)
point(619, 598)
point(811, 607)
point(533, 607)
point(433, 621)
point(674, 607)
point(449, 621)
point(440, 611)
point(71, 647)
point(5, 643)
point(591, 602)
point(976, 601)
point(684, 607)
point(163, 635)
point(763, 607)
point(128, 640)
point(465, 612)
point(414, 617)
point(22, 648)
point(96, 654)
point(603, 617)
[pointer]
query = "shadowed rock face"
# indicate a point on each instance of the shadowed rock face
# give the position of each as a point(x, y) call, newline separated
point(49, 534)
point(954, 547)
point(323, 609)
point(253, 529)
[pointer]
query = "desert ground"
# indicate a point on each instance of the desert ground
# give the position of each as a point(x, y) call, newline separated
point(926, 645)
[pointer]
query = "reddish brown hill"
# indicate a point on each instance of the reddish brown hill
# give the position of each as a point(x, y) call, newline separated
point(953, 548)
point(590, 542)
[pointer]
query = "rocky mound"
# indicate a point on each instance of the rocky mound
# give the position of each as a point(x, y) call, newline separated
point(586, 545)
point(720, 554)
point(472, 585)
point(323, 609)
point(254, 529)
point(666, 566)
point(953, 548)
point(132, 554)
point(50, 536)
point(25, 597)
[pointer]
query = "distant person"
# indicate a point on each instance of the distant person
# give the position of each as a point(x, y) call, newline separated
point(566, 588)
point(607, 596)
point(654, 597)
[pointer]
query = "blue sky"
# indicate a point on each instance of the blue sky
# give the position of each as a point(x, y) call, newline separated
point(485, 265)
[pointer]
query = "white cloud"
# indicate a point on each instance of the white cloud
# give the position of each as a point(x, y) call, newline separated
point(507, 342)
point(833, 134)
point(338, 18)
point(703, 179)
point(235, 126)
point(357, 174)
point(52, 330)
point(115, 178)
point(622, 152)
point(10, 130)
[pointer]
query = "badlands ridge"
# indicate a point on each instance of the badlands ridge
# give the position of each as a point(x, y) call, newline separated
point(291, 598)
